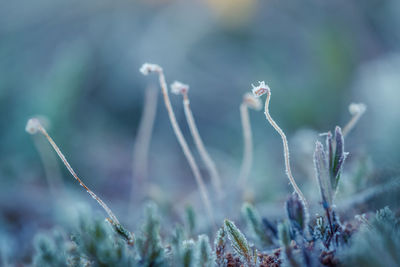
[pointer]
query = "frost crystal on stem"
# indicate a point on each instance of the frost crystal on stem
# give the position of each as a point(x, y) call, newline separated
point(33, 126)
point(148, 68)
point(178, 88)
point(261, 89)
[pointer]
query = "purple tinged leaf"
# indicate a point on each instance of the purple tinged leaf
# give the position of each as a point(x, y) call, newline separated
point(295, 212)
point(323, 177)
point(338, 170)
point(271, 228)
point(339, 150)
point(330, 148)
point(340, 157)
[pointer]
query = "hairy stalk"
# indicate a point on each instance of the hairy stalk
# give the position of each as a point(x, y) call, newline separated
point(33, 126)
point(260, 90)
point(356, 110)
point(146, 69)
point(180, 88)
point(249, 101)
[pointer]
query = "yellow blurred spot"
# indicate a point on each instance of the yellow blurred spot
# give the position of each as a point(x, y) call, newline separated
point(233, 12)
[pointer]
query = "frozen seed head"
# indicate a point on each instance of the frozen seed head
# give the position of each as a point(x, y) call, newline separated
point(148, 67)
point(261, 89)
point(33, 126)
point(179, 88)
point(251, 101)
point(357, 108)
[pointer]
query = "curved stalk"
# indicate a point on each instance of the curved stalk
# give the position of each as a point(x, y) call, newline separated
point(264, 89)
point(146, 69)
point(356, 110)
point(33, 126)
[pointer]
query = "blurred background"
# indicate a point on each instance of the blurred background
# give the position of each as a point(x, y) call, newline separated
point(76, 63)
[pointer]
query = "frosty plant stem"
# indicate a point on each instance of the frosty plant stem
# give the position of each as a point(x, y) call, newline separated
point(356, 110)
point(249, 101)
point(145, 70)
point(258, 91)
point(33, 126)
point(142, 142)
point(180, 88)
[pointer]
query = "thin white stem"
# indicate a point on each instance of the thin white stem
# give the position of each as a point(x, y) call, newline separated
point(64, 160)
point(212, 169)
point(182, 142)
point(350, 125)
point(143, 137)
point(247, 145)
point(357, 110)
point(285, 151)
